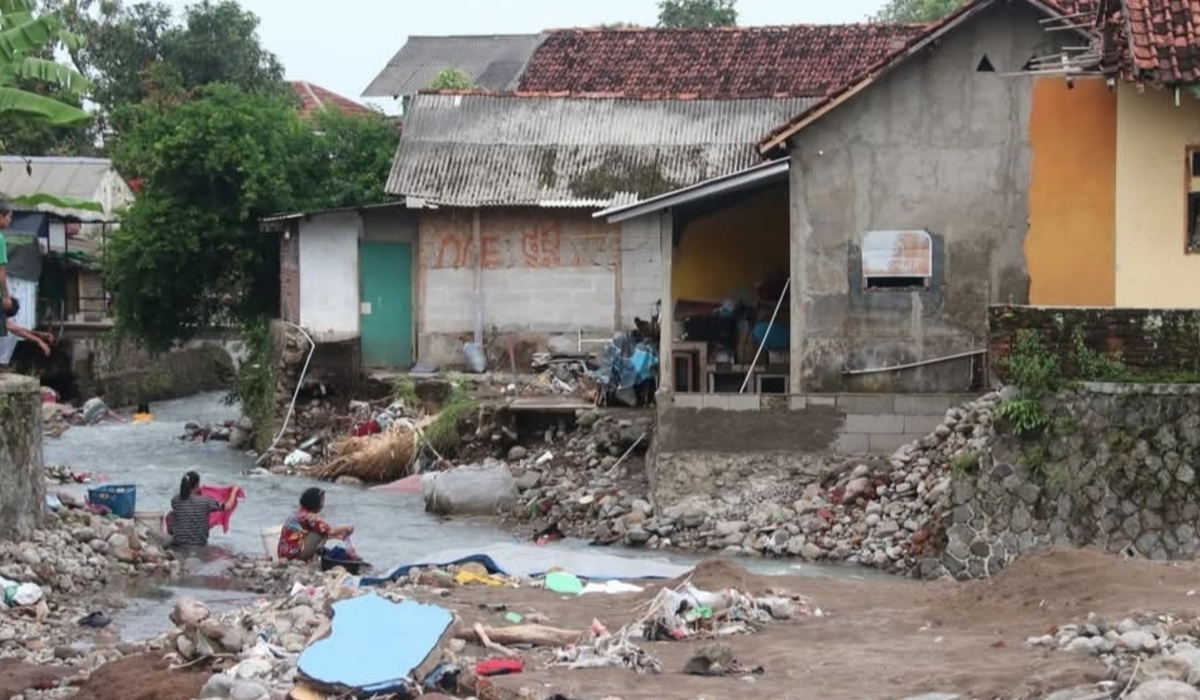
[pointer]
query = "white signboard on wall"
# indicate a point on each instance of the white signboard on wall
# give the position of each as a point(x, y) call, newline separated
point(897, 254)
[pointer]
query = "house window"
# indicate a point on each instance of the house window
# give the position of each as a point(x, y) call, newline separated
point(1193, 200)
point(897, 260)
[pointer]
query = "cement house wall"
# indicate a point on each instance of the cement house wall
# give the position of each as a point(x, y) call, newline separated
point(329, 289)
point(934, 145)
point(547, 275)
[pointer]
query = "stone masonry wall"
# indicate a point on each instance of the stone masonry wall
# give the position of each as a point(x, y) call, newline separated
point(1158, 342)
point(130, 375)
point(1115, 468)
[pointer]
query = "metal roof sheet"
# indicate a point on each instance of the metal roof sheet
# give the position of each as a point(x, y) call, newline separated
point(505, 150)
point(491, 62)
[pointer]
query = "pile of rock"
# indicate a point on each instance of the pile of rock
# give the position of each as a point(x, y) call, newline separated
point(578, 479)
point(889, 514)
point(81, 551)
point(1160, 645)
point(885, 513)
point(271, 577)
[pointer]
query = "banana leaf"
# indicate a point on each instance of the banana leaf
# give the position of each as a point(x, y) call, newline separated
point(45, 71)
point(14, 101)
point(29, 37)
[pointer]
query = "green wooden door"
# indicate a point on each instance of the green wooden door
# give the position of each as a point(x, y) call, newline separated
point(385, 269)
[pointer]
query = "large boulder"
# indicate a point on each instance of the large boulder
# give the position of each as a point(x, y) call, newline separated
point(473, 489)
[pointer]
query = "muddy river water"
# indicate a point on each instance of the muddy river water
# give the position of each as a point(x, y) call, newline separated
point(391, 528)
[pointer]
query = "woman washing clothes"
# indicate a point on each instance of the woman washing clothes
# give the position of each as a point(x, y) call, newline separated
point(305, 532)
point(188, 522)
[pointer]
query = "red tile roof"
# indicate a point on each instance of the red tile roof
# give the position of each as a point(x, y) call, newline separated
point(314, 97)
point(726, 63)
point(1165, 37)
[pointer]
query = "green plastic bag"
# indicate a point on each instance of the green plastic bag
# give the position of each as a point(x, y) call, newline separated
point(562, 582)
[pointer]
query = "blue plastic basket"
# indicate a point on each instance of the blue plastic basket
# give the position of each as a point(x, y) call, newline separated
point(120, 499)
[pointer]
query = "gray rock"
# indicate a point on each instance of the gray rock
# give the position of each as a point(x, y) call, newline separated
point(1138, 640)
point(217, 686)
point(517, 453)
point(530, 480)
point(248, 690)
point(936, 696)
point(730, 527)
point(1164, 690)
point(1082, 692)
point(1082, 645)
point(637, 537)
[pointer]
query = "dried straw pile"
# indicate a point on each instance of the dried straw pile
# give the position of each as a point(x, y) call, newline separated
point(377, 459)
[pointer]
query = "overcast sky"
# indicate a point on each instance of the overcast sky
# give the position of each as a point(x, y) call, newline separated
point(342, 46)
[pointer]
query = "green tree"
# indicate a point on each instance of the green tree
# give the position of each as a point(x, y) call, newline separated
point(697, 14)
point(350, 158)
point(916, 10)
point(451, 79)
point(134, 51)
point(188, 255)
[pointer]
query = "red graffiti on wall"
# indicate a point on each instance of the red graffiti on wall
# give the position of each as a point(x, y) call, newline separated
point(542, 246)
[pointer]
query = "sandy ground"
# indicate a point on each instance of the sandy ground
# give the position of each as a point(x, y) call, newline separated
point(878, 640)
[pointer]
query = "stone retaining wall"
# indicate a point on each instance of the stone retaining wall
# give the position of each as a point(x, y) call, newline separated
point(1162, 343)
point(1115, 468)
point(131, 375)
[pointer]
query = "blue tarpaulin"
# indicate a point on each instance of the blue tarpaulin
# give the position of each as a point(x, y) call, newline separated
point(525, 560)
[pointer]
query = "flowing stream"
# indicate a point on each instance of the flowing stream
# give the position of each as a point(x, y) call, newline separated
point(390, 528)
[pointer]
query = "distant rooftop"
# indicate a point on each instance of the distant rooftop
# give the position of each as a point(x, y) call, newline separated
point(315, 97)
point(490, 62)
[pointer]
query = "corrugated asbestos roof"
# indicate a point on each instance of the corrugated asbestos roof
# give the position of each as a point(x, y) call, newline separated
point(491, 62)
point(503, 150)
point(76, 178)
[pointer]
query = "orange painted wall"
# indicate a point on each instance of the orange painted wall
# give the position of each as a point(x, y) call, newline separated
point(732, 249)
point(1070, 249)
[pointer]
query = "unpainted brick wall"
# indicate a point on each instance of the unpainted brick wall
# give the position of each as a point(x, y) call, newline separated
point(289, 276)
point(1153, 341)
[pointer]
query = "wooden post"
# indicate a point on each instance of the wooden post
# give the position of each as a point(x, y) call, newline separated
point(22, 478)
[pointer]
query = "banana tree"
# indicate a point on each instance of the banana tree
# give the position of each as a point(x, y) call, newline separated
point(23, 39)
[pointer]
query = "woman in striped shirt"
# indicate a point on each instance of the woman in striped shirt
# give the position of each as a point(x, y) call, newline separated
point(188, 521)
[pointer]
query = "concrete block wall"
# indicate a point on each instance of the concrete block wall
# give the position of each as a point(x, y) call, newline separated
point(547, 275)
point(641, 268)
point(863, 423)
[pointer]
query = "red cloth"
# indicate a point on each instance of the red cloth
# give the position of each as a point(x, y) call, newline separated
point(221, 495)
point(499, 667)
point(368, 428)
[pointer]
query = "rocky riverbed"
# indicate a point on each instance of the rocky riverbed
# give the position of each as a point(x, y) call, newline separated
point(979, 640)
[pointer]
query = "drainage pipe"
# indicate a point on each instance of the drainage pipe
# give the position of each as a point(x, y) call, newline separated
point(914, 365)
point(312, 346)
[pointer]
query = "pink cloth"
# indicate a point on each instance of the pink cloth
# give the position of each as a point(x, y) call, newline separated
point(221, 495)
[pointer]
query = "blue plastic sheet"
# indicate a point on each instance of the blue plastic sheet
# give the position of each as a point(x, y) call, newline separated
point(375, 644)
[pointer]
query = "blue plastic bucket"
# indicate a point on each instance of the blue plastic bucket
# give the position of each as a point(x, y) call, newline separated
point(120, 499)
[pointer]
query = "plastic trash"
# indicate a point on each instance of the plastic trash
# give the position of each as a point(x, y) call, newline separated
point(476, 358)
point(612, 587)
point(53, 502)
point(298, 458)
point(562, 582)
